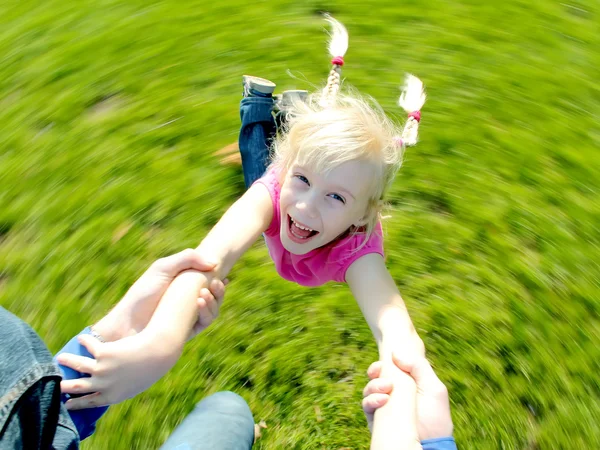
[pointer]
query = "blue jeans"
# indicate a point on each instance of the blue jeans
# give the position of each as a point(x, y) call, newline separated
point(256, 135)
point(222, 421)
point(32, 414)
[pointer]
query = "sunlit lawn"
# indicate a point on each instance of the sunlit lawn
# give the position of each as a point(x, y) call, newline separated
point(110, 112)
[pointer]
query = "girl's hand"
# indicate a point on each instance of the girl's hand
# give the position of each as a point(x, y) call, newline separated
point(209, 303)
point(433, 404)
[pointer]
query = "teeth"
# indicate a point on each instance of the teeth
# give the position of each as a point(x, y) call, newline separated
point(300, 226)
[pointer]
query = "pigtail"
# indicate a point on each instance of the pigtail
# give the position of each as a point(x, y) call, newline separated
point(411, 100)
point(338, 46)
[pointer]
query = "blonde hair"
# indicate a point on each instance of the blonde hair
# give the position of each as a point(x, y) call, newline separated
point(331, 128)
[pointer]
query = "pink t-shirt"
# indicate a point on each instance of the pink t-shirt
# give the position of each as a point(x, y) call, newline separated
point(323, 264)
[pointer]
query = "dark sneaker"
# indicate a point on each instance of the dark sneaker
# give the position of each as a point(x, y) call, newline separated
point(257, 87)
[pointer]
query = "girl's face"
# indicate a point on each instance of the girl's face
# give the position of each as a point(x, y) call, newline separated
point(316, 208)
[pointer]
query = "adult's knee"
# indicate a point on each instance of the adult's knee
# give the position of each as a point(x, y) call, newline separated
point(227, 402)
point(21, 351)
point(232, 413)
point(220, 421)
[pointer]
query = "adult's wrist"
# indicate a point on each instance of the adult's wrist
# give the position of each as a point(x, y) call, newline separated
point(114, 326)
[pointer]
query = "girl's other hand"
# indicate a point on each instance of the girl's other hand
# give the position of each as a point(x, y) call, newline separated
point(433, 404)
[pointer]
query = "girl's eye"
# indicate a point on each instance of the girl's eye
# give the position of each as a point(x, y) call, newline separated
point(338, 198)
point(303, 179)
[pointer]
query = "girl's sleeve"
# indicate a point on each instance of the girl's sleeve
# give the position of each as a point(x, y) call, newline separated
point(350, 254)
point(271, 182)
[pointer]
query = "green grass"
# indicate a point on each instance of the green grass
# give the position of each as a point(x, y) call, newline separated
point(110, 112)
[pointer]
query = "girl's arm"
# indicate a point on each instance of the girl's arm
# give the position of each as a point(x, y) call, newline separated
point(395, 425)
point(126, 367)
point(382, 306)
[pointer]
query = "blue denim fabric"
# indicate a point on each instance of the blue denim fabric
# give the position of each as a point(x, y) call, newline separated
point(446, 443)
point(256, 134)
point(31, 413)
point(84, 419)
point(222, 421)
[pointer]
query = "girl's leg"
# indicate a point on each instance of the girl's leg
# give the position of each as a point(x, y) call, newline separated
point(257, 132)
point(222, 421)
point(258, 127)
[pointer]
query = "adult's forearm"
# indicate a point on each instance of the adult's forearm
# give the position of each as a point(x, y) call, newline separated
point(133, 313)
point(117, 324)
point(130, 316)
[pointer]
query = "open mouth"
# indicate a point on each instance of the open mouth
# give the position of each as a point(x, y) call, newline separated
point(299, 232)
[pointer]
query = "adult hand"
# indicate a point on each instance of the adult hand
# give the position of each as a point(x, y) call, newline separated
point(118, 370)
point(433, 405)
point(133, 312)
point(121, 369)
point(114, 371)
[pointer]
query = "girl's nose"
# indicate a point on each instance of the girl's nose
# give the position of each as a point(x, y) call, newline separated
point(307, 204)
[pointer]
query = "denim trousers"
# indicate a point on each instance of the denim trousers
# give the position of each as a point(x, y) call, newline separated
point(32, 415)
point(222, 421)
point(257, 132)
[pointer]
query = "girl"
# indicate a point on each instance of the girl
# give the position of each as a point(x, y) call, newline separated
point(318, 206)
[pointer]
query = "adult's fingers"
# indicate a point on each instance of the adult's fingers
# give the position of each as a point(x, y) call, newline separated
point(91, 343)
point(374, 370)
point(184, 260)
point(373, 402)
point(78, 386)
point(88, 401)
point(79, 363)
point(377, 386)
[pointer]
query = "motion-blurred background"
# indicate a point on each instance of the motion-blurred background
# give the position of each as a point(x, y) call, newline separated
point(110, 112)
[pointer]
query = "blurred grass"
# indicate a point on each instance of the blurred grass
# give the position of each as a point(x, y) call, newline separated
point(110, 112)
